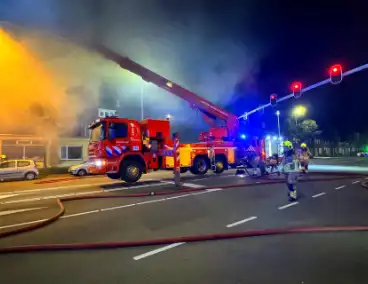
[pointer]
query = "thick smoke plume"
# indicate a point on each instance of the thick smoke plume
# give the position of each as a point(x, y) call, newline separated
point(189, 48)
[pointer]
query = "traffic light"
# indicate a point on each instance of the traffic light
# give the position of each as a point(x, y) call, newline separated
point(336, 74)
point(296, 88)
point(273, 99)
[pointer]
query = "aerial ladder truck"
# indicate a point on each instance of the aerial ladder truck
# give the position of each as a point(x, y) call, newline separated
point(128, 148)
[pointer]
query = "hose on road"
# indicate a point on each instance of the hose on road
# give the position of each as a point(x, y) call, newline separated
point(43, 223)
point(187, 239)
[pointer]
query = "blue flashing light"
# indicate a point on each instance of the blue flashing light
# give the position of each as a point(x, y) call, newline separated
point(274, 137)
point(243, 136)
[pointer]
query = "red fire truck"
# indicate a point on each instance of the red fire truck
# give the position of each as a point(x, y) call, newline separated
point(128, 148)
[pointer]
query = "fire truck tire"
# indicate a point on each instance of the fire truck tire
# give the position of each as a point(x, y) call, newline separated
point(200, 166)
point(131, 171)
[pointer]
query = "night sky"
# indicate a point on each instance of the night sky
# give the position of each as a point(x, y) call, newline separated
point(306, 39)
point(292, 40)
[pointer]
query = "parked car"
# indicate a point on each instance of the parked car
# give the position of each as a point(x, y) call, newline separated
point(18, 169)
point(87, 168)
point(362, 154)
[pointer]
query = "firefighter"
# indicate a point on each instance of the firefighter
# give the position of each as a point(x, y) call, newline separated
point(304, 157)
point(147, 144)
point(291, 169)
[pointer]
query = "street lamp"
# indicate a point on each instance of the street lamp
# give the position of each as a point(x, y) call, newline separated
point(278, 127)
point(168, 116)
point(278, 122)
point(142, 104)
point(299, 111)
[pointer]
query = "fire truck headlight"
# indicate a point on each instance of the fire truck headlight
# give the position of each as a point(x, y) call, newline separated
point(99, 163)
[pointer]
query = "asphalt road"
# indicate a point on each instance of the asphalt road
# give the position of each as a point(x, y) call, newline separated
point(308, 258)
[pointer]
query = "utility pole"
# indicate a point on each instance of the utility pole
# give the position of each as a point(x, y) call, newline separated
point(142, 103)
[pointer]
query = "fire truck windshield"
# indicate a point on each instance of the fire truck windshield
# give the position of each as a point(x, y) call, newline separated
point(98, 132)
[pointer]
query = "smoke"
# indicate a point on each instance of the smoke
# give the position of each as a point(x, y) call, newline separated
point(189, 48)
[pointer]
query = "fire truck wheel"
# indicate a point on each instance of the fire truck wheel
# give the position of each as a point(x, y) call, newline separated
point(131, 171)
point(200, 166)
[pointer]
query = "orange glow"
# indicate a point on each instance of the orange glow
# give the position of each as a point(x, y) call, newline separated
point(25, 84)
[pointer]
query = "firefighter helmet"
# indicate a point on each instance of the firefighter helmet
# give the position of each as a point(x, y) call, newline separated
point(303, 145)
point(288, 144)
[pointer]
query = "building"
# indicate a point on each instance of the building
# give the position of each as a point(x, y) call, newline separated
point(69, 149)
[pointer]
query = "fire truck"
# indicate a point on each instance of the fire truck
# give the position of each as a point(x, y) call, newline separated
point(129, 148)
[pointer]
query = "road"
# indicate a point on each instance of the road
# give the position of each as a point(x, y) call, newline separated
point(309, 258)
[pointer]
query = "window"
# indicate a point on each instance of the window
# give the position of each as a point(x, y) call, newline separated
point(118, 130)
point(71, 153)
point(6, 165)
point(98, 132)
point(21, 164)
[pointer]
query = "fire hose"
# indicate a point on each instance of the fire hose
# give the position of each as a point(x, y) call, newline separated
point(211, 237)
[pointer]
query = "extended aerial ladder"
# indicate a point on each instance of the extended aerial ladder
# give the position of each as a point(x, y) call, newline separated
point(220, 138)
point(210, 112)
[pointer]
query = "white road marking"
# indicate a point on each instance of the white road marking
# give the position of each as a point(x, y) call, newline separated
point(191, 185)
point(151, 201)
point(7, 196)
point(241, 222)
point(213, 189)
point(114, 208)
point(78, 193)
point(288, 205)
point(59, 187)
point(79, 214)
point(178, 196)
point(199, 179)
point(117, 207)
point(152, 252)
point(340, 187)
point(22, 224)
point(69, 186)
point(319, 194)
point(354, 182)
point(8, 212)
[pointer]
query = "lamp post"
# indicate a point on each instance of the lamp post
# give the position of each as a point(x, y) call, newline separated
point(279, 130)
point(142, 104)
point(278, 122)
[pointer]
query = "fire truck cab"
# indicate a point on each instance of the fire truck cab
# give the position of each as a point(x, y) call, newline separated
point(128, 148)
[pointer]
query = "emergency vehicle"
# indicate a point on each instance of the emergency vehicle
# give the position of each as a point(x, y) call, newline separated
point(128, 148)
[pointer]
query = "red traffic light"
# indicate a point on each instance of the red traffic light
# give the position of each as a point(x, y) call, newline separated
point(336, 74)
point(273, 99)
point(296, 88)
point(335, 69)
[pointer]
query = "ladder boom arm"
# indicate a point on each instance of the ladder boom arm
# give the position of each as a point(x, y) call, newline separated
point(207, 108)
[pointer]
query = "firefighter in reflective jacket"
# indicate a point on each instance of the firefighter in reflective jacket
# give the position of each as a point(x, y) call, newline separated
point(146, 143)
point(304, 157)
point(291, 169)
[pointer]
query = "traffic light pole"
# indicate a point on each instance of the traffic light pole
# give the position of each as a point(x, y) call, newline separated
point(304, 90)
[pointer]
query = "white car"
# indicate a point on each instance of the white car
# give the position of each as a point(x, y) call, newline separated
point(18, 169)
point(80, 169)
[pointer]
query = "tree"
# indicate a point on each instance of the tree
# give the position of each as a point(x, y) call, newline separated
point(308, 128)
point(304, 130)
